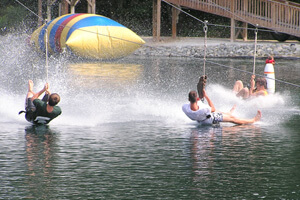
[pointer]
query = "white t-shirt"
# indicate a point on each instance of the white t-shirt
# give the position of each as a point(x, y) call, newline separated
point(199, 115)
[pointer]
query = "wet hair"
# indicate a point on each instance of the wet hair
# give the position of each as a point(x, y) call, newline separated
point(193, 96)
point(262, 82)
point(54, 99)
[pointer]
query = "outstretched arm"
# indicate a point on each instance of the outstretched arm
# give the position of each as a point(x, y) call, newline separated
point(210, 103)
point(47, 89)
point(252, 85)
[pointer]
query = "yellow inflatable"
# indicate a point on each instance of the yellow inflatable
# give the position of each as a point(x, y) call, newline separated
point(87, 35)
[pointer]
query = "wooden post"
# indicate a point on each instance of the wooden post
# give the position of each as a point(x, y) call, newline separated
point(156, 19)
point(91, 6)
point(64, 7)
point(245, 31)
point(273, 15)
point(72, 8)
point(49, 5)
point(73, 3)
point(175, 14)
point(40, 11)
point(48, 11)
point(232, 30)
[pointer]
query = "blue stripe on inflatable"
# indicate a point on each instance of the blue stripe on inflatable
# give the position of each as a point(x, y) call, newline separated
point(53, 32)
point(93, 21)
point(41, 37)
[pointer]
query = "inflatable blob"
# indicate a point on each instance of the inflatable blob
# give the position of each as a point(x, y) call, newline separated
point(86, 35)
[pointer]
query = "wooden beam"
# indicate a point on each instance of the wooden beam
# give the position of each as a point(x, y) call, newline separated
point(237, 33)
point(91, 6)
point(72, 5)
point(175, 16)
point(40, 13)
point(232, 30)
point(158, 18)
point(64, 7)
point(245, 31)
point(52, 2)
point(74, 2)
point(49, 4)
point(154, 19)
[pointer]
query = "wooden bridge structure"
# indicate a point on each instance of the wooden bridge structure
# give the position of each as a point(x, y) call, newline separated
point(277, 15)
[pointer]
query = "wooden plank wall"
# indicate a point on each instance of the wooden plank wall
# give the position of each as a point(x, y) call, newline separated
point(278, 15)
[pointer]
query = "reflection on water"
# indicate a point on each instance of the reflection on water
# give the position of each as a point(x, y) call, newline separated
point(95, 74)
point(40, 160)
point(241, 161)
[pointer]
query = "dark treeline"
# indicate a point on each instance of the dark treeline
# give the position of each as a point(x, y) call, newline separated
point(134, 14)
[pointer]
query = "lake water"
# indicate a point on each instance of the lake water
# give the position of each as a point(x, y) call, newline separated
point(122, 134)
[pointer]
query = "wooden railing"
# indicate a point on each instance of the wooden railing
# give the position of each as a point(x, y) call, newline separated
point(278, 15)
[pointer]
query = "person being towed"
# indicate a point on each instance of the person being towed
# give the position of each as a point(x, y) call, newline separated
point(207, 114)
point(41, 111)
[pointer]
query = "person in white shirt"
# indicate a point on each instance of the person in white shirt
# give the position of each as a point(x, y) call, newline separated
point(207, 115)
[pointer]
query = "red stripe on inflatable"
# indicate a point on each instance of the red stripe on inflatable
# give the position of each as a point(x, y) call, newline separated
point(60, 30)
point(269, 72)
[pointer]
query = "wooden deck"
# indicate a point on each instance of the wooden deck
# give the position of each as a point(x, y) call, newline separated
point(278, 15)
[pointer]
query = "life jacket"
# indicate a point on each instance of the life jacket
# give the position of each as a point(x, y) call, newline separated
point(270, 61)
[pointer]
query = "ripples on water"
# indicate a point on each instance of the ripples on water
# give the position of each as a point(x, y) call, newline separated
point(122, 134)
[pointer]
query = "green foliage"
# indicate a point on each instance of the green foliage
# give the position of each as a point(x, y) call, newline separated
point(11, 17)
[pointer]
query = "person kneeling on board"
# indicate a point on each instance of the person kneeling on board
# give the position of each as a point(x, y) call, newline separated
point(41, 111)
point(245, 92)
point(207, 115)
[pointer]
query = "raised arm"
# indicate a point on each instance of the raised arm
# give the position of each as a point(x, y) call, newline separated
point(36, 95)
point(210, 103)
point(252, 85)
point(47, 89)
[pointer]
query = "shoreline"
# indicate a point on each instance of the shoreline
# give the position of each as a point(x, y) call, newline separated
point(218, 48)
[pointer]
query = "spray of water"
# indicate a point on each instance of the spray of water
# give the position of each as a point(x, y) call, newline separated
point(273, 107)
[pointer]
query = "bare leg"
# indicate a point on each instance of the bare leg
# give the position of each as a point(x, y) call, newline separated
point(243, 93)
point(238, 86)
point(30, 92)
point(232, 109)
point(232, 119)
point(230, 112)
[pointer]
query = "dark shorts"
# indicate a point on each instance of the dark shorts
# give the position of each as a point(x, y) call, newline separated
point(30, 110)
